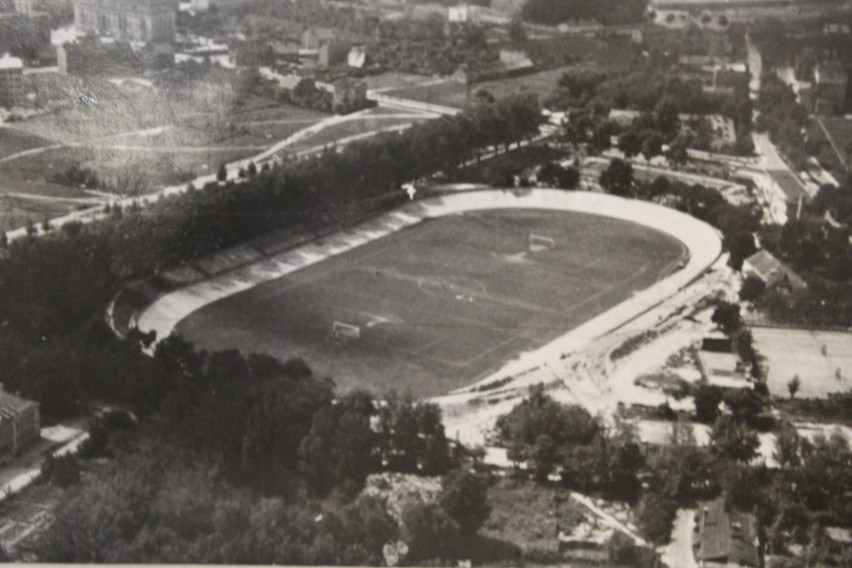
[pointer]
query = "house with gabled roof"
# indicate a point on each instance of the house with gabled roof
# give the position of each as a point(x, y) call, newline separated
point(314, 38)
point(772, 271)
point(726, 537)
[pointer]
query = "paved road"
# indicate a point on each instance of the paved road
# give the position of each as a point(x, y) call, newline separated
point(678, 553)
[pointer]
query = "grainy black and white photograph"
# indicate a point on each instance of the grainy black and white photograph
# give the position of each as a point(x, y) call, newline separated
point(513, 283)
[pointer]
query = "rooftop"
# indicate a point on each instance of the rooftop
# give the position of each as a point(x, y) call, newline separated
point(12, 405)
point(323, 33)
point(770, 269)
point(726, 535)
point(9, 62)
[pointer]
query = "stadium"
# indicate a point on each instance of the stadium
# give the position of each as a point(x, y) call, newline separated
point(447, 291)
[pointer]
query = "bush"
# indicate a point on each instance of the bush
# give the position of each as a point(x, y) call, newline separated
point(465, 499)
point(752, 289)
point(62, 471)
point(656, 517)
point(430, 533)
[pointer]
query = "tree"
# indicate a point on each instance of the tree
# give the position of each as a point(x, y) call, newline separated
point(545, 456)
point(340, 445)
point(430, 533)
point(4, 240)
point(624, 552)
point(412, 436)
point(62, 471)
point(793, 386)
point(752, 288)
point(740, 243)
point(707, 399)
point(652, 144)
point(666, 117)
point(617, 178)
point(516, 31)
point(630, 144)
point(733, 440)
point(727, 317)
point(677, 154)
point(30, 227)
point(625, 460)
point(787, 445)
point(556, 175)
point(656, 516)
point(252, 169)
point(539, 414)
point(745, 404)
point(465, 499)
point(222, 172)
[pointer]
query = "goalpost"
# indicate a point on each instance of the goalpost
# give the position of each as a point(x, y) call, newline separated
point(538, 243)
point(341, 332)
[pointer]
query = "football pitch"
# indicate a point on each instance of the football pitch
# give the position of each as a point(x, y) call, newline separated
point(445, 302)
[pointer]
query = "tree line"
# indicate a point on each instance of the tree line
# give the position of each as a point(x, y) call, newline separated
point(54, 290)
point(609, 12)
point(811, 490)
point(157, 502)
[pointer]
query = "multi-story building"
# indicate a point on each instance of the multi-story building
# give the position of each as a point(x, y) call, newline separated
point(11, 81)
point(20, 423)
point(149, 21)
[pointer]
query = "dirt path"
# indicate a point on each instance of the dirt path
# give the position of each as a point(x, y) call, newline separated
point(678, 553)
point(608, 519)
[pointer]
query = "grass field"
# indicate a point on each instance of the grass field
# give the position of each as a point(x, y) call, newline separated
point(115, 142)
point(335, 132)
point(453, 94)
point(791, 352)
point(444, 302)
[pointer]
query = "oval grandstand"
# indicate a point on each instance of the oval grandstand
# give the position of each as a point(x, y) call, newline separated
point(700, 239)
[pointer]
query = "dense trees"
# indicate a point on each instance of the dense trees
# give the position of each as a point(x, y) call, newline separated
point(608, 12)
point(783, 117)
point(160, 504)
point(551, 436)
point(559, 176)
point(733, 439)
point(430, 532)
point(617, 178)
point(727, 316)
point(464, 498)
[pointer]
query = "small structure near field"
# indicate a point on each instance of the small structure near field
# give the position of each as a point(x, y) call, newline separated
point(342, 333)
point(722, 369)
point(772, 272)
point(20, 423)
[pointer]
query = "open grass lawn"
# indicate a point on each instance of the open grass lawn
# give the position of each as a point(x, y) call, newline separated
point(28, 174)
point(13, 141)
point(458, 95)
point(821, 359)
point(394, 79)
point(261, 108)
point(26, 193)
point(336, 132)
point(443, 303)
